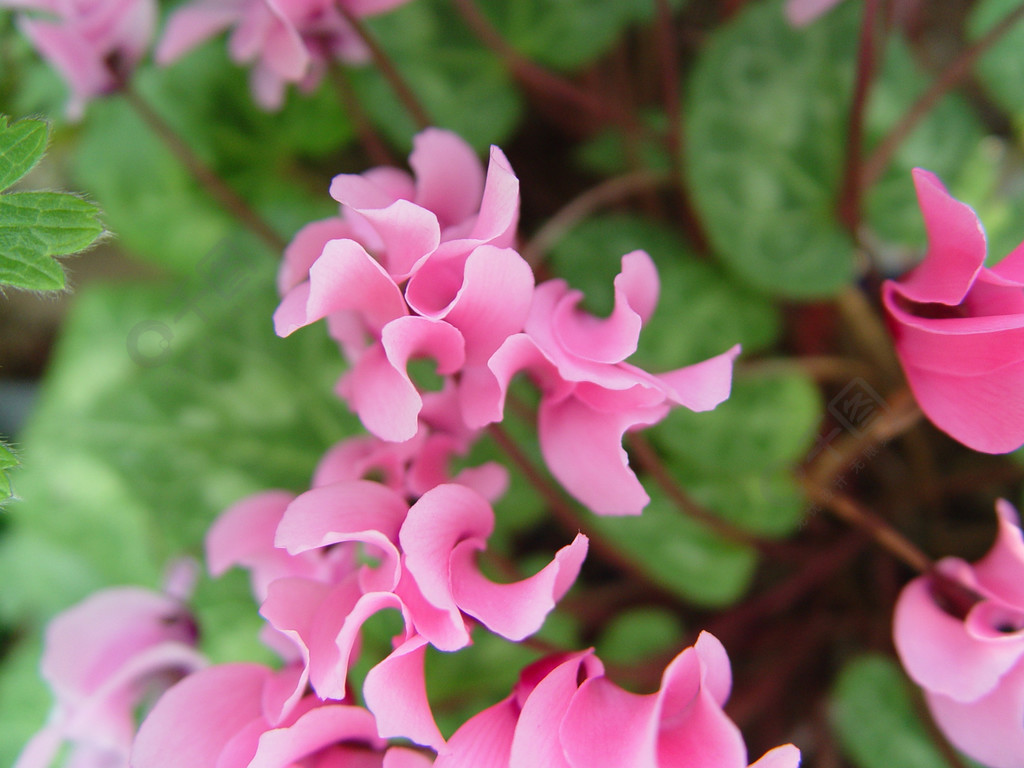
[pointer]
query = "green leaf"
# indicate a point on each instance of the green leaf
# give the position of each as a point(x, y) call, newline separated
point(1000, 65)
point(737, 459)
point(873, 715)
point(638, 634)
point(681, 554)
point(36, 226)
point(941, 142)
point(701, 313)
point(462, 85)
point(565, 34)
point(21, 146)
point(767, 114)
point(8, 461)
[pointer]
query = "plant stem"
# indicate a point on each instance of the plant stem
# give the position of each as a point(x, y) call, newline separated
point(206, 176)
point(851, 512)
point(528, 73)
point(951, 77)
point(652, 464)
point(675, 139)
point(850, 194)
point(388, 69)
point(376, 149)
point(584, 205)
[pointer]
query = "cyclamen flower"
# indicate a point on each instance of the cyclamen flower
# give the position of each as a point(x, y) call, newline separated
point(93, 44)
point(590, 395)
point(286, 41)
point(217, 719)
point(970, 662)
point(564, 713)
point(104, 658)
point(959, 327)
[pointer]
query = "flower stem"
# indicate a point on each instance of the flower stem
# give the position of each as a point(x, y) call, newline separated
point(205, 175)
point(952, 76)
point(375, 148)
point(584, 205)
point(883, 534)
point(850, 195)
point(388, 69)
point(528, 73)
point(652, 464)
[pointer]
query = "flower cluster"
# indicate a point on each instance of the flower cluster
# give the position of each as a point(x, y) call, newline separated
point(960, 635)
point(959, 327)
point(93, 44)
point(423, 266)
point(286, 41)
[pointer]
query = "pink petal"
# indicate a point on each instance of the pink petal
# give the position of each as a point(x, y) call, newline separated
point(443, 627)
point(985, 412)
point(379, 388)
point(195, 719)
point(191, 24)
point(518, 610)
point(244, 533)
point(377, 188)
point(956, 246)
point(284, 51)
point(449, 176)
point(442, 518)
point(786, 756)
point(396, 692)
point(607, 727)
point(306, 247)
point(490, 301)
point(355, 510)
point(408, 234)
point(939, 654)
point(611, 339)
point(583, 449)
point(319, 728)
point(988, 730)
point(1001, 571)
point(345, 277)
point(800, 13)
point(536, 740)
point(499, 206)
point(483, 741)
point(701, 386)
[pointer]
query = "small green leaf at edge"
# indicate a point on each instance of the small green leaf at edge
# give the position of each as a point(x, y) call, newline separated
point(22, 145)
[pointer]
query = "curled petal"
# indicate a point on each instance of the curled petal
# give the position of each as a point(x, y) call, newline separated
point(188, 26)
point(704, 385)
point(786, 756)
point(345, 277)
point(1001, 570)
point(408, 234)
point(396, 693)
point(483, 741)
point(449, 176)
point(583, 449)
point(517, 610)
point(193, 722)
point(956, 246)
point(989, 729)
point(316, 729)
point(379, 388)
point(499, 206)
point(305, 248)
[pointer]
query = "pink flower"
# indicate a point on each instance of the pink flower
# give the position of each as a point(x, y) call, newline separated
point(590, 395)
point(287, 41)
point(969, 657)
point(93, 44)
point(565, 713)
point(216, 719)
point(959, 327)
point(103, 658)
